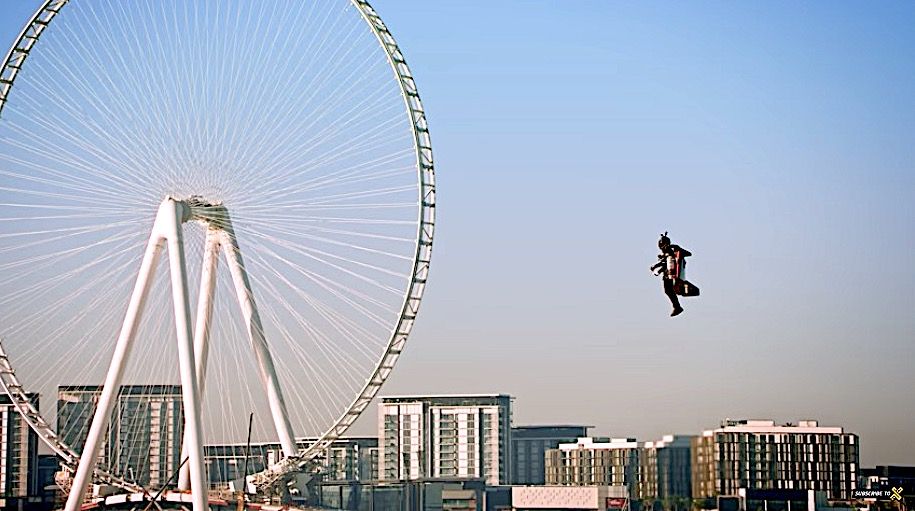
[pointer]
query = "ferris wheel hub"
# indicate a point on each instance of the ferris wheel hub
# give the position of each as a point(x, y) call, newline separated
point(213, 214)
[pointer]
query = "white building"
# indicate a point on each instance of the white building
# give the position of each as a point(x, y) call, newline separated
point(450, 436)
point(144, 436)
point(760, 455)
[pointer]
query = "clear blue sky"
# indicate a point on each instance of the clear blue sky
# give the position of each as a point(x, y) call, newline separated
point(773, 140)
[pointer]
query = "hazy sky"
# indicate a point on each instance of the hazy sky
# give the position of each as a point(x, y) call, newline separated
point(772, 140)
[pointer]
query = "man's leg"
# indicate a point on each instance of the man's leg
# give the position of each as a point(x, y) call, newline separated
point(672, 295)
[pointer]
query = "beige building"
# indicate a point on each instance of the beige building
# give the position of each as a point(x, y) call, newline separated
point(595, 462)
point(18, 453)
point(759, 455)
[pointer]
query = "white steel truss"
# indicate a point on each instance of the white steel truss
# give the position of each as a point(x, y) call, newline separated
point(167, 232)
point(293, 460)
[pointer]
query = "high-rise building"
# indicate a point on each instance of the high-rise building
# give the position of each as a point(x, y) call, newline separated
point(454, 436)
point(595, 462)
point(18, 452)
point(666, 471)
point(758, 455)
point(143, 441)
point(529, 446)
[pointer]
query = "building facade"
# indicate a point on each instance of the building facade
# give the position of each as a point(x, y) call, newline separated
point(666, 471)
point(144, 436)
point(529, 446)
point(572, 498)
point(18, 453)
point(759, 455)
point(595, 462)
point(347, 459)
point(455, 436)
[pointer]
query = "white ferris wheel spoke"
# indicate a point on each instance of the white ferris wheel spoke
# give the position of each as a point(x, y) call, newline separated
point(301, 120)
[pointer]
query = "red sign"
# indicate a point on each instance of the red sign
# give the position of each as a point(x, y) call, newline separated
point(613, 503)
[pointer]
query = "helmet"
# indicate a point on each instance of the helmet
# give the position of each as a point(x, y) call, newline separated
point(664, 241)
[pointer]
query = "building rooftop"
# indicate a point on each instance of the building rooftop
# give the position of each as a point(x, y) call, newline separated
point(563, 431)
point(769, 426)
point(450, 399)
point(418, 397)
point(600, 443)
point(671, 441)
point(552, 426)
point(125, 389)
point(299, 440)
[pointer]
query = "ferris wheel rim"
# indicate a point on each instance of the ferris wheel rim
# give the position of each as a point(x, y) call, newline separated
point(13, 63)
point(420, 267)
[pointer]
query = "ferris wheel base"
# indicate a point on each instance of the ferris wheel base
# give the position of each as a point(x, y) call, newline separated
point(193, 339)
point(182, 500)
point(294, 487)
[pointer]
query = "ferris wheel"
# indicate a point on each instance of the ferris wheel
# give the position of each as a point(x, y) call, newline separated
point(232, 197)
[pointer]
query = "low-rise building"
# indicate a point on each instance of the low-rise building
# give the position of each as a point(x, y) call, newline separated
point(418, 495)
point(578, 498)
point(347, 459)
point(595, 462)
point(529, 446)
point(760, 455)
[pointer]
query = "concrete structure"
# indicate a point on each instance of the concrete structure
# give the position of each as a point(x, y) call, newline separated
point(776, 500)
point(347, 459)
point(452, 436)
point(419, 495)
point(352, 459)
point(529, 446)
point(666, 471)
point(759, 455)
point(143, 440)
point(579, 498)
point(18, 454)
point(595, 462)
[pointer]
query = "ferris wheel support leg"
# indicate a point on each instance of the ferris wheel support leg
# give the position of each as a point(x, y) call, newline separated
point(87, 461)
point(175, 215)
point(202, 331)
point(259, 343)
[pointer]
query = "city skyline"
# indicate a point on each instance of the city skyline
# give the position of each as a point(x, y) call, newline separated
point(770, 141)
